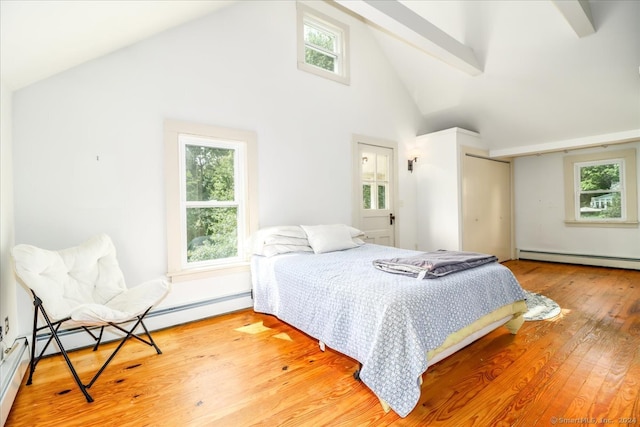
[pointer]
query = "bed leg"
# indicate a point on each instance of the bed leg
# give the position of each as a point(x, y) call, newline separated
point(356, 374)
point(385, 406)
point(514, 324)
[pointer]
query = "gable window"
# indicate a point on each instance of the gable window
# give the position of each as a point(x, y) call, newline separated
point(601, 188)
point(210, 196)
point(322, 45)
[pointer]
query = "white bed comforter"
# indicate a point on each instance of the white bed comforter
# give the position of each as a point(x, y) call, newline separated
point(387, 322)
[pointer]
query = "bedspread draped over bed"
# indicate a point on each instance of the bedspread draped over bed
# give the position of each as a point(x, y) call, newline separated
point(387, 322)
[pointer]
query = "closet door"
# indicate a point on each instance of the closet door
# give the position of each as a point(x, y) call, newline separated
point(486, 206)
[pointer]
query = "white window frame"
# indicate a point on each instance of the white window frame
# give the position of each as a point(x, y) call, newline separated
point(578, 188)
point(628, 188)
point(307, 15)
point(177, 134)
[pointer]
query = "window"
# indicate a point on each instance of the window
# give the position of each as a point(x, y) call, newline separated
point(211, 195)
point(375, 180)
point(211, 200)
point(601, 188)
point(322, 45)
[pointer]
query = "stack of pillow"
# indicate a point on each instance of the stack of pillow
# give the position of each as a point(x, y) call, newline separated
point(305, 238)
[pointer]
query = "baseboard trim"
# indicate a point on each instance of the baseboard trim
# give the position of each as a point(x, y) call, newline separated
point(584, 259)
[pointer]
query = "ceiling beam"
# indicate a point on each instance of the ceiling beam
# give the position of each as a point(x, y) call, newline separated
point(397, 19)
point(578, 14)
point(605, 140)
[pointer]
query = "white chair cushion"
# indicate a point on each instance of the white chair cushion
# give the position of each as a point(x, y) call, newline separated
point(127, 305)
point(84, 282)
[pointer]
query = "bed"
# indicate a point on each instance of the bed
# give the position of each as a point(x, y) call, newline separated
point(395, 326)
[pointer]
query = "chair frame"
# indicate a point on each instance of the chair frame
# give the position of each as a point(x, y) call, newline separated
point(53, 327)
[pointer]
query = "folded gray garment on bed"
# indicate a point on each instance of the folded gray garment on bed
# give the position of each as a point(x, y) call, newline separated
point(431, 265)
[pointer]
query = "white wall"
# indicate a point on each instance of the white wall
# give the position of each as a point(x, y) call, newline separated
point(439, 187)
point(8, 307)
point(438, 191)
point(539, 212)
point(88, 148)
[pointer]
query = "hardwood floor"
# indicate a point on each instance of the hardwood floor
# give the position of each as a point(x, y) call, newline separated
point(580, 368)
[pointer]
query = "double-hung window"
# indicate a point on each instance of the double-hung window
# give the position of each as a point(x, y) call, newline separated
point(322, 45)
point(211, 200)
point(601, 188)
point(599, 192)
point(210, 196)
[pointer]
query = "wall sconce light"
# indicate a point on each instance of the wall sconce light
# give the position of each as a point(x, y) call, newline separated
point(411, 162)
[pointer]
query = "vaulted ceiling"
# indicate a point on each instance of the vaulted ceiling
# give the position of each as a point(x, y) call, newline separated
point(541, 85)
point(529, 76)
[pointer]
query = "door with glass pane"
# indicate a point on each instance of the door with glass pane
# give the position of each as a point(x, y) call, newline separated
point(376, 193)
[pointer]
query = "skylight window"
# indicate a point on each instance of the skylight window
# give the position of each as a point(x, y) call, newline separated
point(322, 45)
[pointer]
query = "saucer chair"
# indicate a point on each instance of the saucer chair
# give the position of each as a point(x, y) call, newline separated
point(83, 287)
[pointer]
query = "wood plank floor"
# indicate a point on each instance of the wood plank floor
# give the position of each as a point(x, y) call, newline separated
point(580, 368)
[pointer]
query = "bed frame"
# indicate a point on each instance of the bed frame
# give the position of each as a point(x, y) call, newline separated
point(459, 340)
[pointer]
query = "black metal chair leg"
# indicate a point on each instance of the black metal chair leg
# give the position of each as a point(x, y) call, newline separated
point(54, 327)
point(153, 343)
point(122, 342)
point(32, 363)
point(82, 387)
point(99, 339)
point(36, 359)
point(150, 341)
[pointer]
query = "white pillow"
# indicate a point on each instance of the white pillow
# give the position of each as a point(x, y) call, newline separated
point(285, 240)
point(277, 249)
point(267, 236)
point(355, 232)
point(329, 238)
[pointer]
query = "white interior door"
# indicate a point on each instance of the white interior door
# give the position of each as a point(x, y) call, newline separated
point(375, 192)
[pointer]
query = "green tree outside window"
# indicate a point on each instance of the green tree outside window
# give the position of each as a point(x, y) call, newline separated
point(318, 44)
point(600, 192)
point(212, 231)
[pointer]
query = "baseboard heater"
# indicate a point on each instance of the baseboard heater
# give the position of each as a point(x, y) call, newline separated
point(12, 369)
point(584, 259)
point(76, 338)
point(14, 366)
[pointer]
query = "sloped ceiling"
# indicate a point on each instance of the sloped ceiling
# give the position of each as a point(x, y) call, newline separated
point(39, 38)
point(540, 87)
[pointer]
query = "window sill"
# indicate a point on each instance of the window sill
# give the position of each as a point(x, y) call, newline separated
point(207, 272)
point(603, 224)
point(309, 68)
